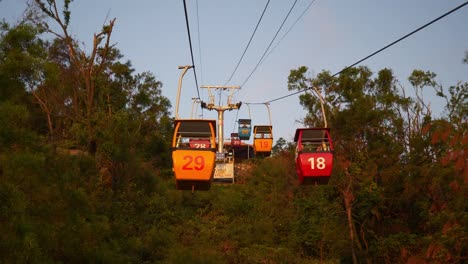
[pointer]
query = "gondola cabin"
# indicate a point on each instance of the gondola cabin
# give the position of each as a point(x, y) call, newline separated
point(245, 129)
point(235, 140)
point(314, 155)
point(193, 153)
point(263, 140)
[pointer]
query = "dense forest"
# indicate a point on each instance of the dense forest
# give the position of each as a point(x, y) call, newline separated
point(85, 166)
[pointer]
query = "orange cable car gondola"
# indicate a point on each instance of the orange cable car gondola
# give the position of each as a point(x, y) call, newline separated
point(314, 155)
point(193, 153)
point(263, 141)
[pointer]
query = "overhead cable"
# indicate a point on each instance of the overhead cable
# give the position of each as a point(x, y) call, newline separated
point(235, 121)
point(287, 32)
point(248, 44)
point(191, 50)
point(256, 66)
point(199, 52)
point(199, 44)
point(374, 53)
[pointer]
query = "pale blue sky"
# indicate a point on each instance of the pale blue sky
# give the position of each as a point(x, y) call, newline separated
point(331, 35)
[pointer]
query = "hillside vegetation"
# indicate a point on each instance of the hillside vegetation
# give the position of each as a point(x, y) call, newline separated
point(85, 166)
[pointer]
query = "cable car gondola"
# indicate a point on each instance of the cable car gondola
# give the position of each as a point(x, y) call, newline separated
point(235, 140)
point(263, 141)
point(193, 153)
point(314, 155)
point(245, 129)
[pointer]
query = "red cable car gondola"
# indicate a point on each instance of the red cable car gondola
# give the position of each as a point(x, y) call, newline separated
point(314, 155)
point(235, 140)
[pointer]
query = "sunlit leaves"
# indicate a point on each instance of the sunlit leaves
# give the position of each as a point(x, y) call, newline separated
point(421, 78)
point(297, 79)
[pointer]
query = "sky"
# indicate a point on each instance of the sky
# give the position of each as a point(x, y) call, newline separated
point(331, 35)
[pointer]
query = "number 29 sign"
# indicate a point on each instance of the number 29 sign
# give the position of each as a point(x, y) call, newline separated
point(193, 164)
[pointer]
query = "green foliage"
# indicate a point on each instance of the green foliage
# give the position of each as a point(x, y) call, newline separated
point(319, 224)
point(264, 254)
point(21, 58)
point(388, 249)
point(297, 79)
point(457, 104)
point(279, 146)
point(66, 11)
point(15, 129)
point(420, 78)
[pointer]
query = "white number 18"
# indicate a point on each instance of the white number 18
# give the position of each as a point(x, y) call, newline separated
point(320, 164)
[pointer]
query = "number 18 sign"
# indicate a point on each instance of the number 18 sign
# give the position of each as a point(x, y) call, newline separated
point(316, 164)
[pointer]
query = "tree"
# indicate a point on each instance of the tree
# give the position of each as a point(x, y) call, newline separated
point(21, 57)
point(364, 116)
point(90, 67)
point(393, 159)
point(282, 146)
